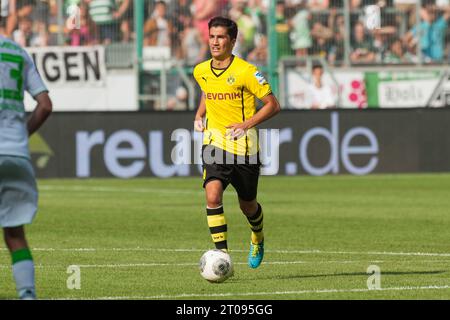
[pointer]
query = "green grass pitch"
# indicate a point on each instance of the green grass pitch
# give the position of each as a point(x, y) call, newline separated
point(143, 238)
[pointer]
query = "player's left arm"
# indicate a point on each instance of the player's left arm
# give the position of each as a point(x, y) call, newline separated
point(37, 89)
point(256, 84)
point(270, 108)
point(41, 112)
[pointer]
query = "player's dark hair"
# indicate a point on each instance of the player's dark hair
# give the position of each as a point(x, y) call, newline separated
point(230, 25)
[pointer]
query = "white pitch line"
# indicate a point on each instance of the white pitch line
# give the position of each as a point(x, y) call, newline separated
point(366, 253)
point(190, 264)
point(387, 253)
point(279, 293)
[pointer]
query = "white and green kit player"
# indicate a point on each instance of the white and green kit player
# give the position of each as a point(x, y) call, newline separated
point(18, 192)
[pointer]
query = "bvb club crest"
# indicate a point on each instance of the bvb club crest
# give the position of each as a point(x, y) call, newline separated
point(231, 80)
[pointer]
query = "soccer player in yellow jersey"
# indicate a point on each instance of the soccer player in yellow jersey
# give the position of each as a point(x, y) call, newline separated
point(227, 117)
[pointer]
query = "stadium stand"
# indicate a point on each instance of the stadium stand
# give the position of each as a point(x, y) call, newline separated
point(334, 31)
point(304, 27)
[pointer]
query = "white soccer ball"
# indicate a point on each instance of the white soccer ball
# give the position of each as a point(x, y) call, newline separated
point(216, 266)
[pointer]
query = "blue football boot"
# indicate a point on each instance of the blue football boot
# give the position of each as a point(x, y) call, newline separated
point(256, 255)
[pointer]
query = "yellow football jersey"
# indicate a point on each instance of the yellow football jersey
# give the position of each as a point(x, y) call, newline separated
point(230, 98)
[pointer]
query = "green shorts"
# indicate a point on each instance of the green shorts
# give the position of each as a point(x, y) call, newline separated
point(18, 192)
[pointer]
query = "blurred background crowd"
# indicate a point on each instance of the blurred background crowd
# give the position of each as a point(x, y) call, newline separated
point(331, 29)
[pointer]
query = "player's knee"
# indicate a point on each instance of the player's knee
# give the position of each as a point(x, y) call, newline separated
point(17, 233)
point(214, 201)
point(15, 238)
point(214, 196)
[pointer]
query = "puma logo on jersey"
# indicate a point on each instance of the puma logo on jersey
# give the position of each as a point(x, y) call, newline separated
point(223, 96)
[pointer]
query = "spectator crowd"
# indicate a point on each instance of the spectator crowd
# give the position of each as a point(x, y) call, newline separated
point(303, 27)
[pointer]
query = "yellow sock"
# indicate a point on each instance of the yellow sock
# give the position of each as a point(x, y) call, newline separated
point(257, 237)
point(218, 227)
point(256, 224)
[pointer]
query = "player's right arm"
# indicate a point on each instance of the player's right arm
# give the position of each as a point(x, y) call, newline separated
point(41, 112)
point(201, 111)
point(200, 115)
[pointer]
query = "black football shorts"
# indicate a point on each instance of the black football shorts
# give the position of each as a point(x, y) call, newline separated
point(241, 172)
